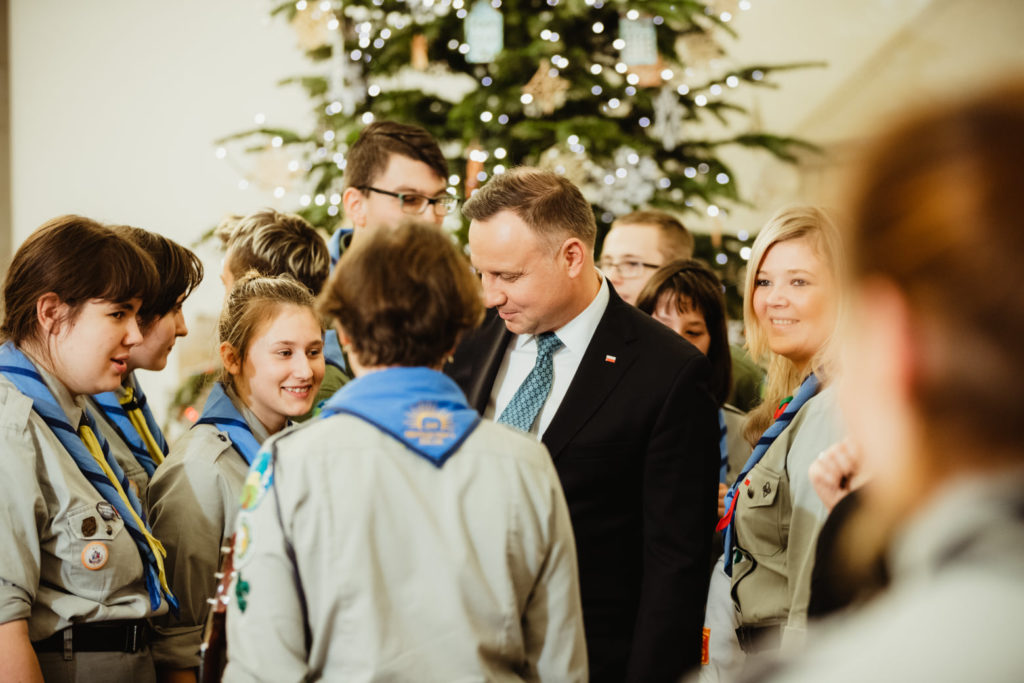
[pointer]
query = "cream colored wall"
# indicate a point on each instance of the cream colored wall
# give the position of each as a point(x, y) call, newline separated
point(114, 108)
point(883, 57)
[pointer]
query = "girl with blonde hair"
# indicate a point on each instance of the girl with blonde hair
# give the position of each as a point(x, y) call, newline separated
point(791, 315)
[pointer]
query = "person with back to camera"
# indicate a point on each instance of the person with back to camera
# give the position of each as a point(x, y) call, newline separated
point(271, 347)
point(80, 571)
point(401, 537)
point(792, 312)
point(934, 401)
point(123, 415)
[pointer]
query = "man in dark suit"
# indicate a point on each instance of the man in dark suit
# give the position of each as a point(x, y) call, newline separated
point(622, 406)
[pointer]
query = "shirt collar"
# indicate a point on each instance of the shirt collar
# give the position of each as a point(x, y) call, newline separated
point(576, 334)
point(73, 406)
point(255, 426)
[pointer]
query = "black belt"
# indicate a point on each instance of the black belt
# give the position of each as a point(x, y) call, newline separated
point(102, 636)
point(759, 638)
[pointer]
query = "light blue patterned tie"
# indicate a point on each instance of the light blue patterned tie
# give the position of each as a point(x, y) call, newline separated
point(522, 410)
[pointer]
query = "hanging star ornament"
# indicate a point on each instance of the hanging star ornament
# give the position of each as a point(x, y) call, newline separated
point(547, 91)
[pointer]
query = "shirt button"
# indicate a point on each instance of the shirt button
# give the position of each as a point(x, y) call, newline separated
point(224, 438)
point(750, 492)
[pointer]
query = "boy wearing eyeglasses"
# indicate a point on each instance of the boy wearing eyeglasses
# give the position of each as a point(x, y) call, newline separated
point(638, 244)
point(394, 171)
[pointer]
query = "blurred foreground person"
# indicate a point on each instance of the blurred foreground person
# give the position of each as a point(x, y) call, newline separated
point(401, 537)
point(935, 402)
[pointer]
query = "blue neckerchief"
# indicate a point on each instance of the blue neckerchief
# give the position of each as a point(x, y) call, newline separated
point(807, 390)
point(220, 412)
point(334, 244)
point(112, 410)
point(723, 446)
point(21, 372)
point(420, 407)
point(332, 351)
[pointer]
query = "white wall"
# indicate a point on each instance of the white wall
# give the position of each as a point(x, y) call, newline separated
point(114, 108)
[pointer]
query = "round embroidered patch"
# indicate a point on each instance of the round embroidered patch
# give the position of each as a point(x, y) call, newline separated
point(95, 555)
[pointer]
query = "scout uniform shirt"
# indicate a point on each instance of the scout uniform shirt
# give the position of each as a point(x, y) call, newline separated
point(778, 516)
point(193, 501)
point(410, 570)
point(65, 554)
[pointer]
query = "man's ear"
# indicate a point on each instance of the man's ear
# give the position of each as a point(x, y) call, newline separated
point(230, 358)
point(51, 313)
point(573, 254)
point(354, 202)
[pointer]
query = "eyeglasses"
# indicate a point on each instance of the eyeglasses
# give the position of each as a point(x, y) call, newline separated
point(416, 204)
point(627, 269)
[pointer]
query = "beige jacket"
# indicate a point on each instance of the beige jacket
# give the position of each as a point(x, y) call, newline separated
point(778, 517)
point(193, 501)
point(952, 610)
point(410, 571)
point(61, 560)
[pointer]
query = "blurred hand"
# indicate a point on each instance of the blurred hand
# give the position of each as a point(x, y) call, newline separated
point(722, 490)
point(836, 472)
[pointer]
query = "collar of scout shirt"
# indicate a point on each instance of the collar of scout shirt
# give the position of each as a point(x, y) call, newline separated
point(225, 411)
point(422, 408)
point(576, 334)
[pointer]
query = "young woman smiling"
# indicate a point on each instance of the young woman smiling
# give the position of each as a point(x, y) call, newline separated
point(123, 415)
point(271, 345)
point(791, 306)
point(80, 571)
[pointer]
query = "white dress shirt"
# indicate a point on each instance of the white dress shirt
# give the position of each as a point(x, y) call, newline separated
point(521, 356)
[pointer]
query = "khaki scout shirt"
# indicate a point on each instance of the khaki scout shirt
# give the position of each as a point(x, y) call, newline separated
point(61, 560)
point(778, 517)
point(193, 501)
point(411, 572)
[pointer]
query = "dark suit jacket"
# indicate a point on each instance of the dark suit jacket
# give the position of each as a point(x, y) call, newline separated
point(635, 443)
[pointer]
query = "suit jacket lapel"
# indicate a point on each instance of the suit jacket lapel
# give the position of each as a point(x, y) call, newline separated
point(493, 340)
point(608, 357)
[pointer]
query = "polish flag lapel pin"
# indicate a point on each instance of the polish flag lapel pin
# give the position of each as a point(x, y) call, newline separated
point(609, 359)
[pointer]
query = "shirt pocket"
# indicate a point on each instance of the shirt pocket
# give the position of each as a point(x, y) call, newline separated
point(100, 557)
point(759, 524)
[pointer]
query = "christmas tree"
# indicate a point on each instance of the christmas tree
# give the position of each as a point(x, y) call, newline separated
point(613, 94)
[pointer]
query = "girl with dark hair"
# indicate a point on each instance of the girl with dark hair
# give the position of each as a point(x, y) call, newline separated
point(80, 570)
point(687, 296)
point(271, 346)
point(123, 415)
